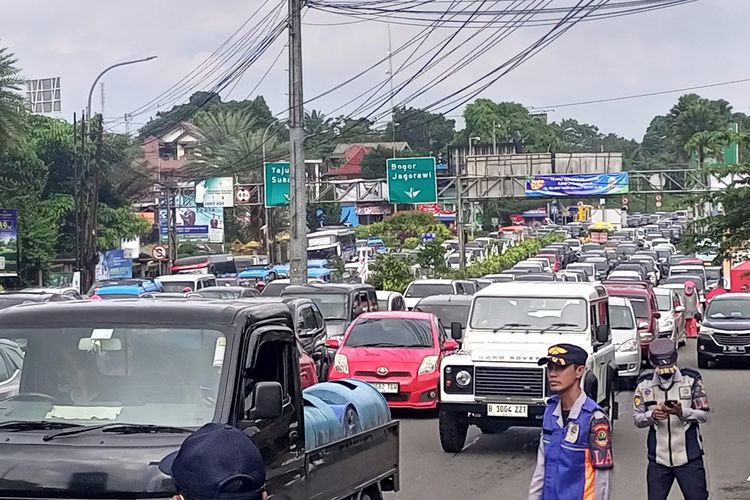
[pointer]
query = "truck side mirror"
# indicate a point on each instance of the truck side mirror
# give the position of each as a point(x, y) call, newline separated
point(602, 334)
point(456, 331)
point(266, 401)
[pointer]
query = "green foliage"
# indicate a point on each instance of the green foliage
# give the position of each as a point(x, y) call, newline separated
point(426, 133)
point(182, 112)
point(507, 122)
point(12, 116)
point(411, 243)
point(432, 256)
point(403, 225)
point(390, 273)
point(117, 224)
point(373, 164)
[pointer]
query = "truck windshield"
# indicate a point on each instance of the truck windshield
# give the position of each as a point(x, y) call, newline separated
point(529, 313)
point(135, 375)
point(390, 332)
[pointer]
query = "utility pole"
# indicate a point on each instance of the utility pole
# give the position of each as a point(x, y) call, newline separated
point(297, 187)
point(390, 78)
point(460, 221)
point(76, 192)
point(171, 225)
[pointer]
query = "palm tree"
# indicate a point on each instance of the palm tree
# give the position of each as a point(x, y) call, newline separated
point(11, 100)
point(232, 144)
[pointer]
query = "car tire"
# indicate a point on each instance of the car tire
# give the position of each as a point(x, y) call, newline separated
point(453, 428)
point(702, 361)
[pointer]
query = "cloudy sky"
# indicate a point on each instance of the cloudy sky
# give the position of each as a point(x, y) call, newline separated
point(695, 44)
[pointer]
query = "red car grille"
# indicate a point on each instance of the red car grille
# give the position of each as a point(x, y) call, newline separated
point(376, 374)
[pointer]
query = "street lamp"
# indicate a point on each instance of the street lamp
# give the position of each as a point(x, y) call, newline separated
point(471, 150)
point(93, 85)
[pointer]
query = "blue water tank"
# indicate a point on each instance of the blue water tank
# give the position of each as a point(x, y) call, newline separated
point(322, 426)
point(370, 405)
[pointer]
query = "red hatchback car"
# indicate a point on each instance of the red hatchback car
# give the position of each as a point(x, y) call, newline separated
point(645, 307)
point(398, 352)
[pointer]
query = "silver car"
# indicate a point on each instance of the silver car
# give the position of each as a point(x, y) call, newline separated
point(625, 338)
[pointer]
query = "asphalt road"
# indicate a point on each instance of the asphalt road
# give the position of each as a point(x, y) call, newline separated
point(494, 467)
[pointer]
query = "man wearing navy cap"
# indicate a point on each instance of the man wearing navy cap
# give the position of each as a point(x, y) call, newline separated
point(574, 461)
point(217, 462)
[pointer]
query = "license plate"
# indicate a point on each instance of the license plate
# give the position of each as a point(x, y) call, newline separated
point(386, 388)
point(734, 349)
point(506, 410)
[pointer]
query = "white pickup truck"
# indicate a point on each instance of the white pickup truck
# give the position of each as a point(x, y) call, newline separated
point(494, 381)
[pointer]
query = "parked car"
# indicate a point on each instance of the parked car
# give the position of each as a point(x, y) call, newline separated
point(227, 292)
point(626, 340)
point(448, 309)
point(9, 299)
point(672, 320)
point(420, 289)
point(390, 301)
point(643, 301)
point(536, 277)
point(399, 353)
point(186, 282)
point(724, 332)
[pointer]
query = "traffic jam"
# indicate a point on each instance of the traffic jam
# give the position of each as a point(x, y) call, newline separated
point(317, 374)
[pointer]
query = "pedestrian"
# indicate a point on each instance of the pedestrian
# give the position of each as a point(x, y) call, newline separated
point(744, 289)
point(672, 402)
point(217, 462)
point(574, 461)
point(692, 309)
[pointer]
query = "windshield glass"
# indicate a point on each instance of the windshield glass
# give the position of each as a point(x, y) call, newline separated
point(332, 305)
point(448, 313)
point(177, 286)
point(134, 375)
point(664, 302)
point(419, 290)
point(729, 309)
point(640, 308)
point(713, 274)
point(390, 332)
point(219, 294)
point(682, 279)
point(620, 317)
point(274, 289)
point(323, 253)
point(382, 305)
point(532, 313)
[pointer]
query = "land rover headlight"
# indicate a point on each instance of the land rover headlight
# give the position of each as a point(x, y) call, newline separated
point(463, 378)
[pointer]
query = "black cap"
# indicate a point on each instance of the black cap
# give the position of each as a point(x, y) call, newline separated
point(217, 462)
point(564, 355)
point(663, 356)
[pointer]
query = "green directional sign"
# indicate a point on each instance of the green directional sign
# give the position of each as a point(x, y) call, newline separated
point(276, 184)
point(411, 180)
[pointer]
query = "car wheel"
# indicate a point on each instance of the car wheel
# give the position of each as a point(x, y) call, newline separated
point(702, 361)
point(453, 428)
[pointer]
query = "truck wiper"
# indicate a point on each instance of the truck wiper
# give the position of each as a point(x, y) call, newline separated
point(509, 325)
point(119, 428)
point(555, 326)
point(31, 425)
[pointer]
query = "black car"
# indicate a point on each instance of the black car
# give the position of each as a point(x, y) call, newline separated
point(449, 309)
point(10, 299)
point(725, 329)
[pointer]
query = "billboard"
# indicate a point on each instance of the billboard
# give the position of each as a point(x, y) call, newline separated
point(578, 185)
point(215, 192)
point(194, 223)
point(114, 265)
point(8, 243)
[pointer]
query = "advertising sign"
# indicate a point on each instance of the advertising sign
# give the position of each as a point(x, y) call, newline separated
point(216, 192)
point(114, 265)
point(8, 243)
point(538, 186)
point(194, 223)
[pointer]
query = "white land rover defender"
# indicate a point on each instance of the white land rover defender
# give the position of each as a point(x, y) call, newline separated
point(494, 381)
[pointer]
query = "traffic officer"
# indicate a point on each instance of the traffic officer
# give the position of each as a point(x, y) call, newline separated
point(672, 403)
point(574, 461)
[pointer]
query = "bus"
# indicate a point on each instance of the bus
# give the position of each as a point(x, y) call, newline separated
point(328, 242)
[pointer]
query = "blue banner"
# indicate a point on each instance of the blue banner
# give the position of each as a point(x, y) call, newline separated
point(538, 186)
point(8, 243)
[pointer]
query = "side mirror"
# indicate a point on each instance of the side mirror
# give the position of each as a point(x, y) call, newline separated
point(679, 309)
point(602, 334)
point(657, 315)
point(450, 345)
point(266, 401)
point(333, 343)
point(456, 331)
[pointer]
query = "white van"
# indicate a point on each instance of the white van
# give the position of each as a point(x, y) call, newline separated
point(494, 381)
point(180, 283)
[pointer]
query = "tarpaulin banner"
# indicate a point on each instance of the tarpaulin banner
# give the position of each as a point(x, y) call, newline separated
point(577, 185)
point(8, 243)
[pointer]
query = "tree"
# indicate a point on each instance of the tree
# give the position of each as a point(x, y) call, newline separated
point(507, 122)
point(432, 256)
point(11, 101)
point(390, 273)
point(181, 112)
point(426, 133)
point(693, 114)
point(373, 164)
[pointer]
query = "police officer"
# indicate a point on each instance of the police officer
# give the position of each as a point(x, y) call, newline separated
point(672, 403)
point(574, 461)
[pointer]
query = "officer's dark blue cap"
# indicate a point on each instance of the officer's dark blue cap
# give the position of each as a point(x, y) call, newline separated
point(564, 355)
point(217, 462)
